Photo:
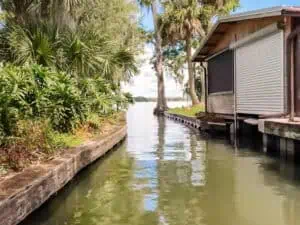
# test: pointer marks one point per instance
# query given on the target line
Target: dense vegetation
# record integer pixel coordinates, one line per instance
(62, 63)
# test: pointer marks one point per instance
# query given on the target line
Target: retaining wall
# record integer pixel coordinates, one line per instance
(193, 122)
(26, 191)
(189, 121)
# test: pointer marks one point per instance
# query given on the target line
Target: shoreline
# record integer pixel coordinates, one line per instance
(24, 192)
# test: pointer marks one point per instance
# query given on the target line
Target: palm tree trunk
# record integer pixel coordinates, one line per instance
(45, 9)
(161, 99)
(20, 9)
(193, 94)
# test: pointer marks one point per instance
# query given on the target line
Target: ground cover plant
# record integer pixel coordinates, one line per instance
(190, 111)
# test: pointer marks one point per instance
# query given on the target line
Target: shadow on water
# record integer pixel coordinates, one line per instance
(166, 173)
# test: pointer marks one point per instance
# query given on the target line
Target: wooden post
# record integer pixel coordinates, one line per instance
(234, 93)
(292, 85)
(291, 68)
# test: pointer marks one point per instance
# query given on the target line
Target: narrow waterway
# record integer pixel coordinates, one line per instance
(166, 173)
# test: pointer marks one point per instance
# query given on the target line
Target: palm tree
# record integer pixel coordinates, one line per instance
(81, 54)
(80, 50)
(161, 99)
(187, 19)
(54, 10)
(19, 8)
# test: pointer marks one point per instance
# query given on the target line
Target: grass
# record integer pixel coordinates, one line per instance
(187, 111)
(67, 140)
(94, 127)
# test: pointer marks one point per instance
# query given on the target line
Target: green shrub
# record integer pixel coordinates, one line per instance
(32, 140)
(37, 92)
(67, 108)
(34, 135)
(129, 98)
(93, 121)
(15, 87)
(99, 95)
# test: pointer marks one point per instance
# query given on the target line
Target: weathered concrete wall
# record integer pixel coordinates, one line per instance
(197, 124)
(23, 193)
(189, 121)
(283, 135)
(280, 127)
(222, 103)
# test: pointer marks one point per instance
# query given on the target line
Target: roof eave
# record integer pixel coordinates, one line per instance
(204, 41)
(276, 11)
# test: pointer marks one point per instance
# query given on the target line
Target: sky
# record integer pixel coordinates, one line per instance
(145, 84)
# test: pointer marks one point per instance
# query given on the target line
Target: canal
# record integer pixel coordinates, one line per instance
(166, 173)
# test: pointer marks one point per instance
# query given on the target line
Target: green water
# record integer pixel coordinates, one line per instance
(165, 173)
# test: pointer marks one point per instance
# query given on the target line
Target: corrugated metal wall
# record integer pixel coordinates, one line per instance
(260, 76)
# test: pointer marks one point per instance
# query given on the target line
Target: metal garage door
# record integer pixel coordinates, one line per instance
(259, 75)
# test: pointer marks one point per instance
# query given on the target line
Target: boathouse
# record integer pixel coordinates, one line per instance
(253, 61)
(253, 74)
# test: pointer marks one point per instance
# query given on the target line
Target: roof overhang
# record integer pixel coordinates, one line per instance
(221, 26)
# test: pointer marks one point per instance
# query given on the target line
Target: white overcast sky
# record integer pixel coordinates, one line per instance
(145, 84)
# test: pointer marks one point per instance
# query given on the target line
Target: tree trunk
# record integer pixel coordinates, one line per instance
(192, 90)
(20, 8)
(45, 4)
(161, 99)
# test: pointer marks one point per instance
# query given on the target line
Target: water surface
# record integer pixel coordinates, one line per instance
(166, 173)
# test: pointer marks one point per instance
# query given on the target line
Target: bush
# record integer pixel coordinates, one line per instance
(33, 139)
(37, 92)
(15, 88)
(67, 108)
(102, 97)
(98, 94)
(34, 135)
(40, 109)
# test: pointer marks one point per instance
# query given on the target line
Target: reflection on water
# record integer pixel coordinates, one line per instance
(165, 173)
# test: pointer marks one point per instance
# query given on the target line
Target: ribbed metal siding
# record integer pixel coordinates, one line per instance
(259, 76)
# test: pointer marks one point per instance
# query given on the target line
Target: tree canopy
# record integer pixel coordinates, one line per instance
(185, 23)
(62, 62)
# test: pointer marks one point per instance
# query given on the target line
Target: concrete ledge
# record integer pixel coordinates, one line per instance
(189, 121)
(198, 124)
(280, 127)
(26, 191)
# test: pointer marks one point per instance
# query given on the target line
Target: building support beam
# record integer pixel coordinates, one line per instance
(291, 69)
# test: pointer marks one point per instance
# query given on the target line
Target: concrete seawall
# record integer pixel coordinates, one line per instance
(189, 121)
(24, 192)
(198, 124)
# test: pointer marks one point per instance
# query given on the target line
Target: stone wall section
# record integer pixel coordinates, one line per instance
(24, 192)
